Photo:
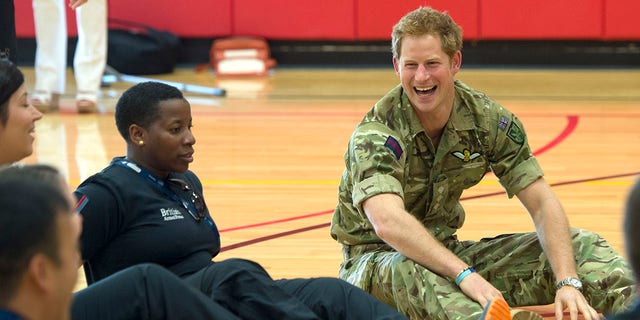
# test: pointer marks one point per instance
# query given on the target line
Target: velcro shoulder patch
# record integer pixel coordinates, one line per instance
(503, 123)
(394, 145)
(81, 203)
(515, 133)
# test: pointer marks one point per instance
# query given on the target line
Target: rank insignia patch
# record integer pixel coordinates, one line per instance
(394, 145)
(503, 123)
(515, 133)
(81, 203)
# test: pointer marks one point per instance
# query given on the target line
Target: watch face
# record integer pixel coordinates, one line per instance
(576, 283)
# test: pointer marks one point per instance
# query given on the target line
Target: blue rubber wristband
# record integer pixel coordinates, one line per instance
(463, 274)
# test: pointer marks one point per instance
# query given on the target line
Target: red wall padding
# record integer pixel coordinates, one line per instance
(535, 19)
(204, 18)
(24, 20)
(295, 19)
(375, 18)
(194, 18)
(369, 19)
(621, 20)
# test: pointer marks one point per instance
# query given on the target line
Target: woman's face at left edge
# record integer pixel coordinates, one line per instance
(16, 135)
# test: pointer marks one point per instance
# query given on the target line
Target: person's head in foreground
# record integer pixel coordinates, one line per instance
(39, 234)
(155, 121)
(631, 227)
(17, 115)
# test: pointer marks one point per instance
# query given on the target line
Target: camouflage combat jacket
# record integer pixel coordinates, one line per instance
(389, 152)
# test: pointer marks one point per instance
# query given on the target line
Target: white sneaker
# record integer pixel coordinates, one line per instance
(45, 102)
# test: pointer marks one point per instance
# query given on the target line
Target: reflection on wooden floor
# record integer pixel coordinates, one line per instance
(270, 153)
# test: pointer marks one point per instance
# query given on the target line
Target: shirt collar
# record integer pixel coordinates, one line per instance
(461, 117)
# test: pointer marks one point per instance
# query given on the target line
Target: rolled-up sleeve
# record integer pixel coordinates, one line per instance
(377, 158)
(375, 185)
(518, 178)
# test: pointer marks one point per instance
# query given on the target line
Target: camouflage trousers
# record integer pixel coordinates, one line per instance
(514, 263)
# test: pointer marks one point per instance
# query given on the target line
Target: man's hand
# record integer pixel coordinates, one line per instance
(479, 289)
(570, 298)
(74, 4)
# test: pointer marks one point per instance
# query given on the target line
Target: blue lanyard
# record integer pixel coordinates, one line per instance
(153, 180)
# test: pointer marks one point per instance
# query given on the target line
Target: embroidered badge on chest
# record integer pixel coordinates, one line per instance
(465, 155)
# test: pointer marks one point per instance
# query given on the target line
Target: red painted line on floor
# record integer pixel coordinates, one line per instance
(273, 236)
(572, 123)
(324, 225)
(558, 184)
(276, 221)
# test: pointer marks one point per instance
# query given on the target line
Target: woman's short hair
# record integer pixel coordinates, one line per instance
(140, 105)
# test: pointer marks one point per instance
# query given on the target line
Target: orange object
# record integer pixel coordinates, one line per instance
(496, 309)
(241, 56)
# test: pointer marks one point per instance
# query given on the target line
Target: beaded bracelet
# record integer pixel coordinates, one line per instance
(463, 274)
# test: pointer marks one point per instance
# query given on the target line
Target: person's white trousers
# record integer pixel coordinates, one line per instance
(51, 54)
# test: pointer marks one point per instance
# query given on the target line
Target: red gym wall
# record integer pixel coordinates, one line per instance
(352, 20)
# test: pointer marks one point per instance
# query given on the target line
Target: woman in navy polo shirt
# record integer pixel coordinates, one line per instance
(148, 207)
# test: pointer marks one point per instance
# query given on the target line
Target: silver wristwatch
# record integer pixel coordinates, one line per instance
(570, 281)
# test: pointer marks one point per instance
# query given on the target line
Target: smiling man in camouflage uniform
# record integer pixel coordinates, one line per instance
(407, 164)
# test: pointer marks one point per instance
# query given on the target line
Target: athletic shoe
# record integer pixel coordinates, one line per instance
(46, 102)
(86, 106)
(498, 309)
(521, 314)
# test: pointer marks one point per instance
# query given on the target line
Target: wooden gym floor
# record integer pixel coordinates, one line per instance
(270, 153)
